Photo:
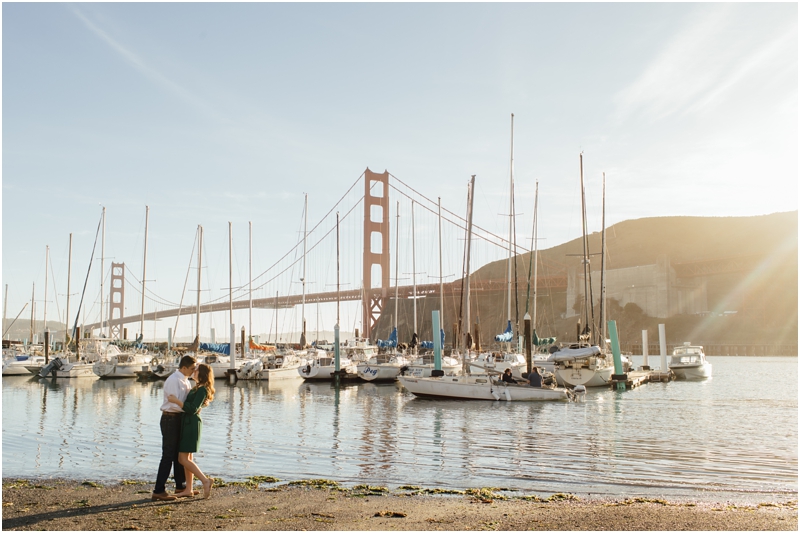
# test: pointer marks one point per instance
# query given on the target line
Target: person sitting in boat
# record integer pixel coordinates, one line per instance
(507, 377)
(535, 378)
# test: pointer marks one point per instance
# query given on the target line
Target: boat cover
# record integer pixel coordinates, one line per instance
(507, 335)
(262, 347)
(391, 343)
(428, 345)
(216, 347)
(573, 354)
(130, 344)
(544, 341)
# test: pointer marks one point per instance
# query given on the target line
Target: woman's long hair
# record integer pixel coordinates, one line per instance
(205, 378)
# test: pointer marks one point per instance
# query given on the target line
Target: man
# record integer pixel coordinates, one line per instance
(171, 419)
(535, 378)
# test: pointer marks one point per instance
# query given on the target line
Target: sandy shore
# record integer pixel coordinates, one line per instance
(323, 505)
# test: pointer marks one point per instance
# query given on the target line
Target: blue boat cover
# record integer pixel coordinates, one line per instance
(428, 345)
(506, 336)
(391, 343)
(216, 347)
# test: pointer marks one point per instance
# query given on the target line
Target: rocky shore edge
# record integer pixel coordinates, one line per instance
(263, 503)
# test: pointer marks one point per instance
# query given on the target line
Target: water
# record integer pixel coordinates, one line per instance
(732, 437)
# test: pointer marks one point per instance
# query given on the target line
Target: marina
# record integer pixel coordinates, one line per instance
(662, 440)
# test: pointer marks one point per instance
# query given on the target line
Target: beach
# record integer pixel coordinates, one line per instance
(324, 505)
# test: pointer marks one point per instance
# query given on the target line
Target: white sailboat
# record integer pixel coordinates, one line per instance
(387, 366)
(586, 362)
(482, 386)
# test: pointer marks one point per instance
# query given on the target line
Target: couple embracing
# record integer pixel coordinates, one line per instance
(181, 427)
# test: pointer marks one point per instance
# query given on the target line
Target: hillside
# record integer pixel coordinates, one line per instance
(763, 296)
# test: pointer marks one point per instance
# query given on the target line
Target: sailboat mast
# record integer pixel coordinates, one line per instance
(144, 264)
(535, 251)
(46, 262)
(414, 264)
(337, 270)
(603, 269)
(33, 312)
(470, 198)
(586, 280)
(510, 216)
(396, 262)
(102, 274)
(441, 277)
(5, 309)
(230, 276)
(69, 277)
(199, 270)
(250, 283)
(303, 280)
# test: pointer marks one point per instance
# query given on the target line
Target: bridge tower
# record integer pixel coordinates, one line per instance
(376, 247)
(116, 305)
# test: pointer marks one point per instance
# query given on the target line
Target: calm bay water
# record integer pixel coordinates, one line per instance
(731, 437)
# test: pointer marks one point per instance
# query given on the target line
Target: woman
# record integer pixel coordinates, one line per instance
(200, 396)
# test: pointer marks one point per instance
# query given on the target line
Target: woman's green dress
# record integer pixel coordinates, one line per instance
(192, 423)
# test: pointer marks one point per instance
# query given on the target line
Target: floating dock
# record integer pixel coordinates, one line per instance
(638, 377)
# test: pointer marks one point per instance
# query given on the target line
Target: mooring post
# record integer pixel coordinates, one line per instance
(244, 351)
(645, 349)
(528, 343)
(662, 341)
(437, 346)
(46, 346)
(619, 376)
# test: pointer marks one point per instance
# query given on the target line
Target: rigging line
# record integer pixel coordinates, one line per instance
(297, 260)
(474, 226)
(186, 281)
(450, 212)
(312, 229)
(86, 281)
(156, 298)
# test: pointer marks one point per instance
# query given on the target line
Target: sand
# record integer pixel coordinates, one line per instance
(321, 505)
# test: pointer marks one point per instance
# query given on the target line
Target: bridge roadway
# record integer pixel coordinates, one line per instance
(284, 302)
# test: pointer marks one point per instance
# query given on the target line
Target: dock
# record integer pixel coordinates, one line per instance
(638, 377)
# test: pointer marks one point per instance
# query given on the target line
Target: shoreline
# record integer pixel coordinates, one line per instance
(261, 503)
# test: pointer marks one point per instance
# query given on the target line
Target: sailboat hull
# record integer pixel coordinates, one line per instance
(478, 388)
(584, 376)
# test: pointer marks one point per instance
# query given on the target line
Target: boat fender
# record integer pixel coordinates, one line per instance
(579, 389)
(508, 394)
(496, 396)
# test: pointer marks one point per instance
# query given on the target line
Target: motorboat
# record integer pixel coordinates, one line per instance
(320, 365)
(689, 362)
(423, 365)
(63, 367)
(481, 387)
(18, 364)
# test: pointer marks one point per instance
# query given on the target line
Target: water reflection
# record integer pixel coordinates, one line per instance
(661, 438)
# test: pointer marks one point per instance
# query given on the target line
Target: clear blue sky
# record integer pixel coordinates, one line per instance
(210, 113)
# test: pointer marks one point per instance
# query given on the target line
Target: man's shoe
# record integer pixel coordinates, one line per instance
(162, 497)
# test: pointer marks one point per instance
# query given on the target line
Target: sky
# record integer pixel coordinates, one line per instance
(217, 113)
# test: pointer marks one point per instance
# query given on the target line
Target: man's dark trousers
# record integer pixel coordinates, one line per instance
(170, 438)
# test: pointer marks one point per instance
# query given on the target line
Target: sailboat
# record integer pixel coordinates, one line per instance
(506, 358)
(585, 362)
(481, 386)
(387, 366)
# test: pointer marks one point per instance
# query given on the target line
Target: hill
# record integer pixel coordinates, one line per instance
(752, 265)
